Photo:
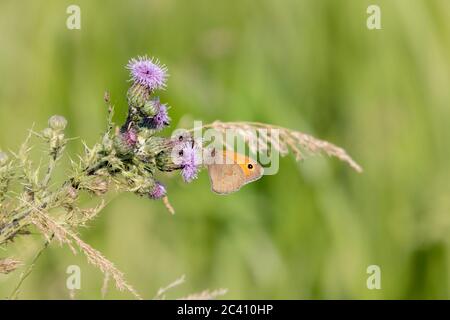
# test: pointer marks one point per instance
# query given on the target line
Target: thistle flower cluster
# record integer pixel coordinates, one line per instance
(128, 157)
(138, 143)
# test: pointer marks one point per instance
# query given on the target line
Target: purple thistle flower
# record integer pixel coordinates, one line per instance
(160, 119)
(130, 137)
(158, 192)
(189, 172)
(190, 161)
(148, 72)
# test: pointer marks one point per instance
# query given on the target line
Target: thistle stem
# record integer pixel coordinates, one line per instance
(30, 268)
(51, 167)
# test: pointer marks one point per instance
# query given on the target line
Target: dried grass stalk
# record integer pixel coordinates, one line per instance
(50, 228)
(162, 291)
(206, 295)
(300, 144)
(104, 290)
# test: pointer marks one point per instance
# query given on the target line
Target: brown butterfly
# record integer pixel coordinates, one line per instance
(235, 171)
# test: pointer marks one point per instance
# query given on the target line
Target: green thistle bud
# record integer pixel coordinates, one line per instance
(3, 158)
(47, 133)
(165, 159)
(143, 185)
(146, 133)
(150, 108)
(164, 162)
(121, 146)
(138, 95)
(156, 145)
(57, 123)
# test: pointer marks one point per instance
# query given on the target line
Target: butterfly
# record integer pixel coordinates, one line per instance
(232, 172)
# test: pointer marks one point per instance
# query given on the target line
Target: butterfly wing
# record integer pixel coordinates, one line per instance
(226, 178)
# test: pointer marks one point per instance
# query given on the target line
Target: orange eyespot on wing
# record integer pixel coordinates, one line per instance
(248, 168)
(252, 169)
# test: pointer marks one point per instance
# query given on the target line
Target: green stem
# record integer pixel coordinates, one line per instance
(51, 167)
(30, 268)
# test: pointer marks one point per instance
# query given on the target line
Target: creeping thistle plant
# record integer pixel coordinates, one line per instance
(126, 158)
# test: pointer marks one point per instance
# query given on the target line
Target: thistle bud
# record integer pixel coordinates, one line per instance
(165, 161)
(150, 108)
(130, 137)
(57, 123)
(107, 97)
(3, 158)
(138, 95)
(158, 191)
(47, 133)
(146, 133)
(121, 145)
(160, 119)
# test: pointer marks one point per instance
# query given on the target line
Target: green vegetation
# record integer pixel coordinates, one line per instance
(311, 230)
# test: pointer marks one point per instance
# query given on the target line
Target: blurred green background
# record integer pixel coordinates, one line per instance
(308, 232)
